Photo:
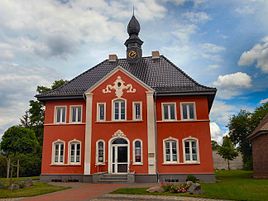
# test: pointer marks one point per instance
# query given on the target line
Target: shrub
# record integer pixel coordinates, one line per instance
(176, 188)
(191, 178)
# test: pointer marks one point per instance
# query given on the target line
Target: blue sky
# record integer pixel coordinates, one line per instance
(223, 44)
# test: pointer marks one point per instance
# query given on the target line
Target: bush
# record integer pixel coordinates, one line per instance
(3, 166)
(191, 178)
(176, 188)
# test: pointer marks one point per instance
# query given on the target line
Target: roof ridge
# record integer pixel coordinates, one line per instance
(185, 74)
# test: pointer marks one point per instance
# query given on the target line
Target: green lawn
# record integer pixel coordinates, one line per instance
(38, 188)
(232, 185)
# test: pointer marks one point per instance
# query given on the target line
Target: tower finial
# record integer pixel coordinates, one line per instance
(133, 10)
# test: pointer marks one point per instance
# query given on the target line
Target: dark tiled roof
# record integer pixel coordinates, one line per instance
(160, 74)
(262, 128)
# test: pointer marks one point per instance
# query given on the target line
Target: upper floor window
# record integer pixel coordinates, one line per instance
(100, 150)
(101, 111)
(137, 157)
(58, 152)
(76, 114)
(188, 111)
(137, 111)
(169, 111)
(75, 152)
(191, 151)
(119, 110)
(171, 150)
(60, 114)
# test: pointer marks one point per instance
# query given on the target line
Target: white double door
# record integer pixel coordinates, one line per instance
(119, 156)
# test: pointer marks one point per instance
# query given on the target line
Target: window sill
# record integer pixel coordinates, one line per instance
(137, 163)
(61, 164)
(99, 164)
(171, 163)
(119, 121)
(64, 124)
(186, 163)
(192, 163)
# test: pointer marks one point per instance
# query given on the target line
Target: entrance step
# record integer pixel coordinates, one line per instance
(113, 178)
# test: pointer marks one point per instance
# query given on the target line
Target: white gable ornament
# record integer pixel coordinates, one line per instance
(119, 86)
(119, 134)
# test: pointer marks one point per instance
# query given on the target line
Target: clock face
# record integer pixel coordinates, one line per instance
(132, 54)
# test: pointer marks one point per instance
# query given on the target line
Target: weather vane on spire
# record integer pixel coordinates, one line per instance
(133, 10)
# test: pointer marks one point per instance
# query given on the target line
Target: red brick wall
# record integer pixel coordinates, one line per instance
(260, 156)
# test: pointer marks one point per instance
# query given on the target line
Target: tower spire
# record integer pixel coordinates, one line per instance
(133, 43)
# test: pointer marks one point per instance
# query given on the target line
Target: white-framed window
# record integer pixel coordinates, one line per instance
(74, 152)
(170, 146)
(58, 152)
(137, 111)
(188, 111)
(168, 111)
(190, 150)
(119, 110)
(101, 111)
(100, 152)
(76, 113)
(60, 114)
(137, 152)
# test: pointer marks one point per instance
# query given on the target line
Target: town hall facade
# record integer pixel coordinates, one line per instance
(135, 119)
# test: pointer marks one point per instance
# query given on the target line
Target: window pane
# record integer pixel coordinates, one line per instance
(165, 111)
(61, 152)
(116, 110)
(137, 151)
(123, 112)
(63, 114)
(194, 156)
(100, 152)
(73, 114)
(137, 144)
(172, 111)
(58, 115)
(191, 111)
(137, 111)
(56, 153)
(101, 111)
(77, 153)
(79, 111)
(184, 111)
(187, 157)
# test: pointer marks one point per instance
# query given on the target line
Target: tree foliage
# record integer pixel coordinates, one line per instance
(214, 145)
(17, 139)
(242, 125)
(227, 150)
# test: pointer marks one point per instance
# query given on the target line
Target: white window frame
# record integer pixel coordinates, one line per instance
(113, 110)
(134, 162)
(134, 110)
(197, 150)
(188, 111)
(53, 152)
(169, 113)
(97, 152)
(74, 141)
(171, 156)
(98, 111)
(71, 114)
(55, 114)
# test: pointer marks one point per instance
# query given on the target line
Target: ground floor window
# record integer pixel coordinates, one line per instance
(170, 150)
(75, 152)
(100, 150)
(58, 152)
(137, 157)
(191, 151)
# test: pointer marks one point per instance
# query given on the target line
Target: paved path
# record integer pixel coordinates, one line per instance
(79, 192)
(119, 197)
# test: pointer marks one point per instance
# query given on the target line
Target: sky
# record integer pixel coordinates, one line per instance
(222, 44)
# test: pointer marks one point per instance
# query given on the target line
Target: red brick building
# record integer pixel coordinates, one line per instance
(136, 119)
(259, 141)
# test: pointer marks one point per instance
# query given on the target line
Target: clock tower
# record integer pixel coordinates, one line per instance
(133, 43)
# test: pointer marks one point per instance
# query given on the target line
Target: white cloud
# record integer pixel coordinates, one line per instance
(18, 86)
(258, 54)
(196, 17)
(216, 133)
(264, 101)
(245, 10)
(231, 85)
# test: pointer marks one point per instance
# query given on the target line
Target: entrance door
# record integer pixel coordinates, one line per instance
(119, 156)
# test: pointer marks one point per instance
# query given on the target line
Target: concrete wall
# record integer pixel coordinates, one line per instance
(220, 163)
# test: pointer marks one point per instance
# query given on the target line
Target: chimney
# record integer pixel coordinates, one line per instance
(112, 58)
(155, 55)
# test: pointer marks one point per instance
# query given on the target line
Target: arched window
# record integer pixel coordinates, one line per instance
(137, 152)
(170, 150)
(58, 152)
(100, 152)
(74, 152)
(119, 110)
(190, 150)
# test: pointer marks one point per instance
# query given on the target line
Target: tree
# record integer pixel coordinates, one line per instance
(214, 145)
(227, 150)
(17, 139)
(242, 125)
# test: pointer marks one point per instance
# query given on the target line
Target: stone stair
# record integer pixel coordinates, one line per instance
(114, 178)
